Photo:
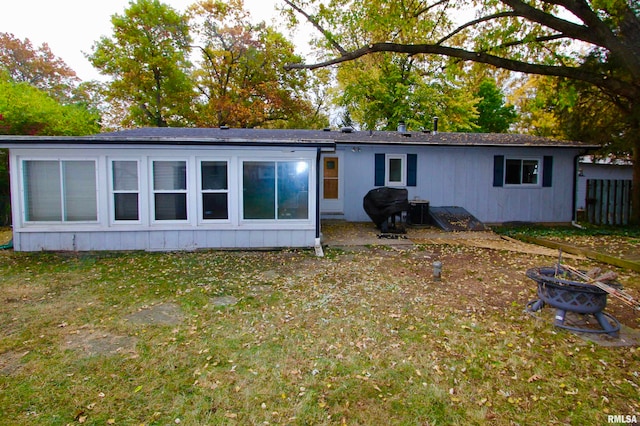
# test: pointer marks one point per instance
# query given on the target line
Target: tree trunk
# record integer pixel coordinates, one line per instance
(635, 184)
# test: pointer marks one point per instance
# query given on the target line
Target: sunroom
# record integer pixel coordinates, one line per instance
(178, 193)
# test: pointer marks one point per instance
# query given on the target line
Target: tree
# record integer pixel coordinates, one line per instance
(493, 115)
(27, 110)
(38, 67)
(527, 37)
(541, 102)
(147, 60)
(240, 78)
(381, 91)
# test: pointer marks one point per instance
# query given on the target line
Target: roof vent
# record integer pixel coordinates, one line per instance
(435, 125)
(347, 129)
(402, 127)
(223, 127)
(326, 129)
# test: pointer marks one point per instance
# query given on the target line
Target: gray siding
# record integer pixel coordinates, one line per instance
(463, 176)
(162, 240)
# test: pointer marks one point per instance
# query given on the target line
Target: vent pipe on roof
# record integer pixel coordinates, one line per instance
(435, 125)
(402, 127)
(347, 129)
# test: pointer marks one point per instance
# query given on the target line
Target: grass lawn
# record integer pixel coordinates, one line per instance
(360, 337)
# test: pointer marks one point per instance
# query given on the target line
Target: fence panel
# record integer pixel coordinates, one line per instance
(608, 201)
(5, 210)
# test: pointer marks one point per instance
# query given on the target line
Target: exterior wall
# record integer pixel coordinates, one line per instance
(463, 176)
(147, 234)
(599, 171)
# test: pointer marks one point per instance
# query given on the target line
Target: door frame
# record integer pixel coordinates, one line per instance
(332, 206)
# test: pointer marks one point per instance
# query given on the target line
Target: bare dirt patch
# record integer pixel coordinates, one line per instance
(162, 314)
(11, 362)
(224, 301)
(92, 342)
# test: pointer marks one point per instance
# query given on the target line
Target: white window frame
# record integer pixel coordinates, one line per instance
(153, 191)
(403, 170)
(276, 161)
(113, 192)
(538, 183)
(60, 161)
(202, 191)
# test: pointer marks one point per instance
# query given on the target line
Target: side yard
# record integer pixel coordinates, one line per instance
(364, 335)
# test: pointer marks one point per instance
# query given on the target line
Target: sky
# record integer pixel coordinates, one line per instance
(71, 27)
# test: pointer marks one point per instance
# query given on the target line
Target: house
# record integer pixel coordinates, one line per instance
(188, 188)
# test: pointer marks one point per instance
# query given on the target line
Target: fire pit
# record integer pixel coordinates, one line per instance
(558, 288)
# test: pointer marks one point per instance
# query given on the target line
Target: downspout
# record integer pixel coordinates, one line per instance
(576, 167)
(318, 243)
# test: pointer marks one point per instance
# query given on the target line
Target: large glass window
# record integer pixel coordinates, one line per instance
(170, 190)
(125, 190)
(215, 189)
(293, 190)
(60, 191)
(276, 190)
(521, 172)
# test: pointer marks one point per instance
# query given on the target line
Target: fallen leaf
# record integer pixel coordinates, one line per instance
(534, 378)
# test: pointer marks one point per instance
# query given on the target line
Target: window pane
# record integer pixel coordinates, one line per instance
(258, 193)
(169, 175)
(214, 206)
(395, 170)
(43, 198)
(293, 190)
(214, 175)
(171, 206)
(513, 172)
(80, 196)
(125, 176)
(530, 171)
(126, 206)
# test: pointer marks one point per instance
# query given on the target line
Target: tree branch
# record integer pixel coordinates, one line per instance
(594, 31)
(617, 86)
(535, 40)
(428, 8)
(475, 22)
(319, 27)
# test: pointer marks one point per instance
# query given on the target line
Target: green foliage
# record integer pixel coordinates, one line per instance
(26, 110)
(566, 232)
(147, 60)
(381, 91)
(38, 67)
(537, 99)
(493, 115)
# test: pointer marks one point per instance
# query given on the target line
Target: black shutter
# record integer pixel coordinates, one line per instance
(412, 169)
(547, 171)
(379, 170)
(498, 170)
